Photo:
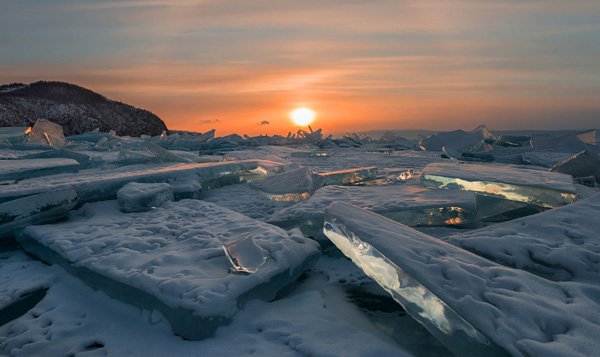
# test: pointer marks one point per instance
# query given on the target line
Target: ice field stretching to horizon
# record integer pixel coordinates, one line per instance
(465, 243)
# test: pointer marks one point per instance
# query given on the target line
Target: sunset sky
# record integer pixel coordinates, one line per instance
(360, 65)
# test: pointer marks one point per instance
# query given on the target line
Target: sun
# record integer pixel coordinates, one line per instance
(302, 116)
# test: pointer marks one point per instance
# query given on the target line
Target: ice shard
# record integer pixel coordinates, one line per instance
(46, 207)
(408, 204)
(45, 132)
(472, 305)
(244, 254)
(349, 176)
(171, 259)
(141, 197)
(97, 184)
(540, 188)
(27, 168)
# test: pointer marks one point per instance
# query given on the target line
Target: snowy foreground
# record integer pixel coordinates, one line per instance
(463, 243)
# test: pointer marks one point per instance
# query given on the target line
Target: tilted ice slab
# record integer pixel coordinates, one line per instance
(474, 306)
(409, 204)
(22, 169)
(95, 185)
(541, 188)
(349, 176)
(171, 259)
(46, 207)
(561, 244)
(245, 200)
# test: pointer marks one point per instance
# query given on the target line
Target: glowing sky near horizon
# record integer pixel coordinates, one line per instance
(361, 65)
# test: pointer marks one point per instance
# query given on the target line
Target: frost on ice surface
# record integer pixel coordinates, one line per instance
(244, 254)
(540, 188)
(171, 259)
(45, 132)
(28, 168)
(141, 197)
(409, 204)
(474, 306)
(41, 208)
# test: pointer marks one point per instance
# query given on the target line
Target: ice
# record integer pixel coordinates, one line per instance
(290, 186)
(409, 204)
(244, 254)
(164, 155)
(562, 244)
(544, 159)
(142, 197)
(27, 168)
(83, 159)
(349, 176)
(472, 305)
(540, 188)
(582, 165)
(245, 200)
(98, 184)
(45, 132)
(171, 259)
(458, 140)
(41, 208)
(591, 137)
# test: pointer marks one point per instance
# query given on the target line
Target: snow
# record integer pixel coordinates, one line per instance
(542, 188)
(465, 299)
(171, 258)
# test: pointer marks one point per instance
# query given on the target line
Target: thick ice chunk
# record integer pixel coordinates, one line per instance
(27, 168)
(409, 204)
(42, 208)
(543, 158)
(142, 197)
(45, 132)
(171, 259)
(559, 244)
(294, 185)
(97, 184)
(472, 305)
(582, 165)
(245, 200)
(541, 188)
(349, 176)
(83, 159)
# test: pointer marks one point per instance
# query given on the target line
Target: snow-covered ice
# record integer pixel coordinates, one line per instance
(541, 188)
(171, 259)
(28, 168)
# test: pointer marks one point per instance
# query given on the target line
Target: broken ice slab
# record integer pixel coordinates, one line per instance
(83, 159)
(291, 186)
(28, 168)
(561, 244)
(472, 305)
(581, 165)
(244, 254)
(540, 188)
(171, 259)
(543, 158)
(349, 176)
(142, 197)
(41, 208)
(96, 185)
(45, 132)
(243, 199)
(495, 209)
(163, 154)
(408, 204)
